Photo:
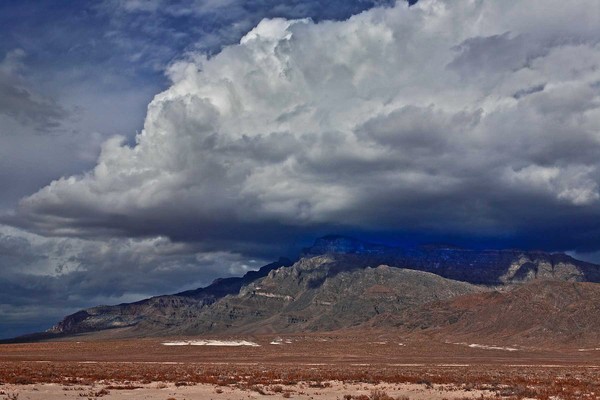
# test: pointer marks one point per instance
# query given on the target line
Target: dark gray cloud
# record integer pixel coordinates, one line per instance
(21, 103)
(44, 279)
(524, 92)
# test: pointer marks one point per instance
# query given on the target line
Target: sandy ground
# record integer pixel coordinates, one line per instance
(308, 366)
(163, 391)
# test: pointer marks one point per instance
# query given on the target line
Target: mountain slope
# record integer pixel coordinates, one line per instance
(160, 311)
(537, 312)
(305, 298)
(338, 283)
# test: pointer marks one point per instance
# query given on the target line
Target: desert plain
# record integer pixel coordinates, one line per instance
(337, 365)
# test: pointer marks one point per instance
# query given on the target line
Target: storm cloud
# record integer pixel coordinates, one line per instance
(398, 119)
(44, 279)
(74, 74)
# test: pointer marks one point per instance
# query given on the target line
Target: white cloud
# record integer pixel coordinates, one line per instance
(377, 121)
(572, 185)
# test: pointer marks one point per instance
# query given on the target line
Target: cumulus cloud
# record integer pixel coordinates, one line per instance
(459, 117)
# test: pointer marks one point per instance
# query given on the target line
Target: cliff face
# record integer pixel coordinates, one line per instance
(341, 283)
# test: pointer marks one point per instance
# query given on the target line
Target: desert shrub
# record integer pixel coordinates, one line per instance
(123, 387)
(319, 384)
(380, 395)
(258, 389)
(425, 382)
(23, 380)
(375, 395)
(92, 394)
(277, 388)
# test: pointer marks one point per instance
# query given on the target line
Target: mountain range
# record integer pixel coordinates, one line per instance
(504, 296)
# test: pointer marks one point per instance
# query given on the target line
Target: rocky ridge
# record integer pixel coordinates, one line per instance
(344, 283)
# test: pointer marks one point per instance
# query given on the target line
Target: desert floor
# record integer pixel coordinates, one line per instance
(333, 390)
(379, 366)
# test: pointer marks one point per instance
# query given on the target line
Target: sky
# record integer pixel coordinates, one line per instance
(149, 147)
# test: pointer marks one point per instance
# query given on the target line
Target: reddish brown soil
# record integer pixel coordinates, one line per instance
(348, 357)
